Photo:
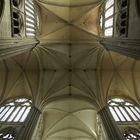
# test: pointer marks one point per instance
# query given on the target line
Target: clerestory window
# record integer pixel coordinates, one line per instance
(15, 111)
(124, 111)
(107, 18)
(31, 19)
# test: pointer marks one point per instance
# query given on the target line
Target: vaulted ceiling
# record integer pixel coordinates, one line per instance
(69, 75)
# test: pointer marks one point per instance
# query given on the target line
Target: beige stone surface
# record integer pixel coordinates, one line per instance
(69, 75)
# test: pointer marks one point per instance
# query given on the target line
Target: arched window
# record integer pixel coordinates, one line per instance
(7, 134)
(132, 134)
(108, 18)
(15, 111)
(31, 19)
(124, 111)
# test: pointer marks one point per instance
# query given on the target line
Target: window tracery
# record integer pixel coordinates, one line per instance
(124, 111)
(16, 19)
(15, 111)
(7, 134)
(122, 22)
(132, 134)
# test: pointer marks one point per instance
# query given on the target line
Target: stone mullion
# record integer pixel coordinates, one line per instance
(109, 124)
(30, 123)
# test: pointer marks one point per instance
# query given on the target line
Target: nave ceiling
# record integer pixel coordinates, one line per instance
(69, 74)
(47, 73)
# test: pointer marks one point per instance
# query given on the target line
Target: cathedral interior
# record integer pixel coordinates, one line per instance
(69, 70)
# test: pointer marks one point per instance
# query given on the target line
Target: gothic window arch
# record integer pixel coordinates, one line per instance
(132, 134)
(8, 134)
(15, 111)
(124, 110)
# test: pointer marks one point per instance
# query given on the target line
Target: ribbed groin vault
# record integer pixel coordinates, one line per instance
(69, 75)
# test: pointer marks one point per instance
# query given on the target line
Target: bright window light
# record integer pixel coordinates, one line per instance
(109, 12)
(109, 23)
(14, 114)
(137, 109)
(25, 114)
(8, 113)
(31, 25)
(30, 15)
(30, 29)
(28, 9)
(114, 114)
(101, 22)
(15, 111)
(109, 3)
(132, 115)
(19, 114)
(125, 114)
(119, 114)
(109, 32)
(29, 4)
(4, 112)
(108, 18)
(124, 111)
(30, 18)
(1, 109)
(30, 34)
(135, 112)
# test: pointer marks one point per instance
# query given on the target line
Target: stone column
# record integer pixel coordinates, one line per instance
(125, 46)
(13, 47)
(30, 124)
(109, 124)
